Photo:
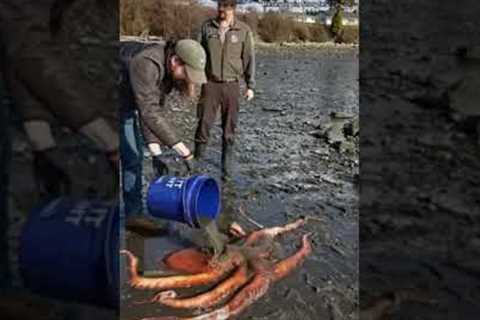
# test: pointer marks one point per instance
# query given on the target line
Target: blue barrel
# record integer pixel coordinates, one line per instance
(185, 200)
(69, 250)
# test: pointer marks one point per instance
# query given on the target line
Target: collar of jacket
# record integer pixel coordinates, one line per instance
(167, 77)
(233, 26)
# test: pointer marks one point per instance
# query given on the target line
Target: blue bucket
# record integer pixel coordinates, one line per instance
(184, 200)
(69, 250)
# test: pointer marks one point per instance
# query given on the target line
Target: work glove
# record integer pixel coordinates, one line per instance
(160, 167)
(51, 173)
(189, 164)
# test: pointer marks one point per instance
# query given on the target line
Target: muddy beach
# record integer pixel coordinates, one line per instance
(419, 157)
(294, 158)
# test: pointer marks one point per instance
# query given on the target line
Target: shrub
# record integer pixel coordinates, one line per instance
(250, 18)
(301, 32)
(349, 34)
(182, 19)
(162, 18)
(274, 27)
(171, 19)
(133, 17)
(319, 33)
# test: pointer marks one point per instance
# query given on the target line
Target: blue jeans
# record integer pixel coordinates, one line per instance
(131, 157)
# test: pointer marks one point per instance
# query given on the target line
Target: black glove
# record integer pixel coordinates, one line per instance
(51, 172)
(160, 167)
(189, 164)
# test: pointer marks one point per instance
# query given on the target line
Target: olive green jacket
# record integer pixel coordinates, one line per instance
(232, 60)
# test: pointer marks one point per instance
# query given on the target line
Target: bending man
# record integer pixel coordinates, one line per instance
(150, 72)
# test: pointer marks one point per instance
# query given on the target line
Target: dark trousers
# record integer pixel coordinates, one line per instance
(218, 96)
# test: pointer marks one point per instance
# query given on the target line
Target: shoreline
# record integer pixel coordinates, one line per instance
(261, 45)
(308, 44)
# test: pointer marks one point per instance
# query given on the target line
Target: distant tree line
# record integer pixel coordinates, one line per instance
(183, 20)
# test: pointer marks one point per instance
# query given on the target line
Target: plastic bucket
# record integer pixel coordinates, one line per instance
(185, 200)
(69, 250)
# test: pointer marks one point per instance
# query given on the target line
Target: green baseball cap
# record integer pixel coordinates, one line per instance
(193, 55)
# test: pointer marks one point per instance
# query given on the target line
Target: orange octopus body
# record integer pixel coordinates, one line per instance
(189, 261)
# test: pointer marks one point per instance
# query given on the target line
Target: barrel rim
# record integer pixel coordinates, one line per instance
(219, 197)
(149, 191)
(200, 181)
(188, 215)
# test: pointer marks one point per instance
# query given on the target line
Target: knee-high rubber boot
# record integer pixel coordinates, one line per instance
(199, 150)
(227, 160)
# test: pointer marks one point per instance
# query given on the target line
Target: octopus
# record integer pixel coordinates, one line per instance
(242, 275)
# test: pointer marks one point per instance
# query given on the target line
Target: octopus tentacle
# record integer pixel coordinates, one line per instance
(273, 232)
(284, 267)
(207, 299)
(182, 281)
(255, 289)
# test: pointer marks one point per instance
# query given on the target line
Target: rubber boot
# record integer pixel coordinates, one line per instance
(227, 159)
(199, 150)
(145, 226)
(478, 132)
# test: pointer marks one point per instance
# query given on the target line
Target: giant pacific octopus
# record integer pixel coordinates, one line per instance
(242, 275)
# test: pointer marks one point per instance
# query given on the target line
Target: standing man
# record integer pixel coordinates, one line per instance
(150, 72)
(230, 58)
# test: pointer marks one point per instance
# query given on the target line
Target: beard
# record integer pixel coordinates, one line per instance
(222, 15)
(185, 87)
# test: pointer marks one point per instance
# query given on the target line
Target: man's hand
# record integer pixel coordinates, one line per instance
(236, 230)
(189, 164)
(249, 94)
(160, 167)
(186, 154)
(51, 172)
